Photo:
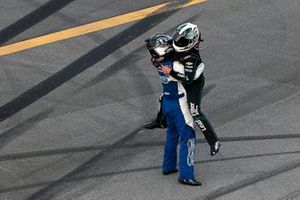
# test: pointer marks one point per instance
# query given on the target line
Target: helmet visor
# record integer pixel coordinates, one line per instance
(153, 53)
(180, 41)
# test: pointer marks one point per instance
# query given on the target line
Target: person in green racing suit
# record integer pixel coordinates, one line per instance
(184, 47)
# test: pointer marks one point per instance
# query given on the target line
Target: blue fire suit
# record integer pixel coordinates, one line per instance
(179, 125)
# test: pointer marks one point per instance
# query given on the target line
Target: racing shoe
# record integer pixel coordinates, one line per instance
(170, 172)
(152, 125)
(190, 182)
(155, 124)
(214, 148)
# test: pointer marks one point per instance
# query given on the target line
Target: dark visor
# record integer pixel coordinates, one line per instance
(153, 53)
(179, 40)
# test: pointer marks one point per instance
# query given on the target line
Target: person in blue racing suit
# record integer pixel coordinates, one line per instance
(184, 47)
(180, 124)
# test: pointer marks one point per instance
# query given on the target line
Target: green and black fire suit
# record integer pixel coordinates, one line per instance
(193, 81)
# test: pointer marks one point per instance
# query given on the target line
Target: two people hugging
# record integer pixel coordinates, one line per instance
(180, 68)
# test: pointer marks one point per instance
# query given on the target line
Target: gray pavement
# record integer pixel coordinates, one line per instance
(74, 109)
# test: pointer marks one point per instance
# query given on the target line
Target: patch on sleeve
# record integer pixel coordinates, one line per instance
(188, 70)
(189, 63)
(186, 57)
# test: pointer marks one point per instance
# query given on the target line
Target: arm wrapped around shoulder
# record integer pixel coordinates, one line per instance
(182, 73)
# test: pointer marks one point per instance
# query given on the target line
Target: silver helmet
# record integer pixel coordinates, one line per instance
(158, 44)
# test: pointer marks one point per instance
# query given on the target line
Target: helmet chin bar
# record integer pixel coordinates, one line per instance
(161, 51)
(182, 49)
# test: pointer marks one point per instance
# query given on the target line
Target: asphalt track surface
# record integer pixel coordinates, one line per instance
(71, 112)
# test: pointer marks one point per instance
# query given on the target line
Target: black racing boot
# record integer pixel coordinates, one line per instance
(214, 148)
(152, 125)
(170, 172)
(190, 182)
(159, 122)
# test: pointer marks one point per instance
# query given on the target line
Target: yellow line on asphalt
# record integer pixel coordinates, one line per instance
(93, 27)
